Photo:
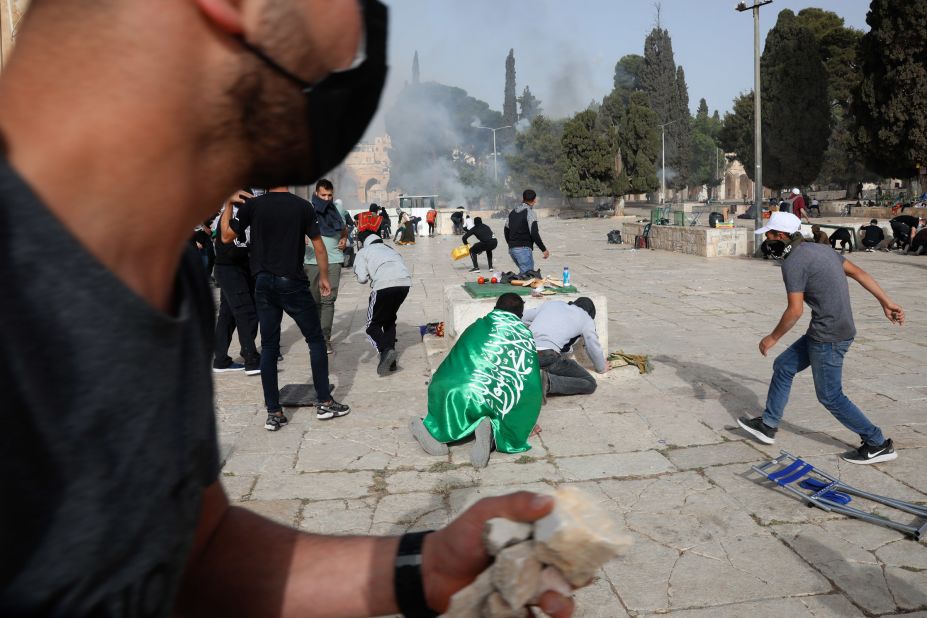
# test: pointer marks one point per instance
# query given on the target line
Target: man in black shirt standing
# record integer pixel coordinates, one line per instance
(279, 222)
(486, 242)
(236, 304)
(521, 233)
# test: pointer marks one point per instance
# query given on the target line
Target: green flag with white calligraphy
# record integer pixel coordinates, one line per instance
(491, 372)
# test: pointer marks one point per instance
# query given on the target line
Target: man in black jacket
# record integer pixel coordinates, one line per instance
(872, 235)
(521, 233)
(486, 242)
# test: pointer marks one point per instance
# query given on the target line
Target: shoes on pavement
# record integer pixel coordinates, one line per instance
(869, 454)
(425, 439)
(758, 429)
(387, 359)
(253, 370)
(328, 346)
(228, 368)
(331, 409)
(275, 422)
(479, 454)
(474, 270)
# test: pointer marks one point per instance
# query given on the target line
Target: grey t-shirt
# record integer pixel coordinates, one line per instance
(108, 436)
(817, 271)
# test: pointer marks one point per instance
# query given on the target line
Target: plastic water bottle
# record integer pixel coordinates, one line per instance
(566, 275)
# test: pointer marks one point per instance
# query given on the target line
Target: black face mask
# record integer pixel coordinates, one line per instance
(341, 105)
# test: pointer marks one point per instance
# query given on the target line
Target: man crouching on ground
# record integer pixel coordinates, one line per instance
(489, 385)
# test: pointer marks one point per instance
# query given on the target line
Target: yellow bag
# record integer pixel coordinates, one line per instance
(460, 252)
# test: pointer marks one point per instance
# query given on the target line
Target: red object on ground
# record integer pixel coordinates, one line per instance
(481, 280)
(494, 280)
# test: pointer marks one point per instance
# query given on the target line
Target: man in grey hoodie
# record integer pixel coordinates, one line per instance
(556, 326)
(383, 267)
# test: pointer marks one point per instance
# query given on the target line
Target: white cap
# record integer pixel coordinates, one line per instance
(795, 191)
(781, 222)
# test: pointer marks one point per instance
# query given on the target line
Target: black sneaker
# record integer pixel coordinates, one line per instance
(331, 409)
(387, 359)
(228, 368)
(275, 422)
(474, 270)
(868, 454)
(328, 346)
(758, 429)
(253, 370)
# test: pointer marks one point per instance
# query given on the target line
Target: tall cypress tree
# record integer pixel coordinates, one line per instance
(796, 110)
(890, 104)
(668, 96)
(509, 105)
(416, 76)
(529, 105)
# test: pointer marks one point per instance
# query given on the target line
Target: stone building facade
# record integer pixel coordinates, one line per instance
(363, 178)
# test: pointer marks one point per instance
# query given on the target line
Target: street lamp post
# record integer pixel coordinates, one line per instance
(757, 114)
(495, 154)
(663, 155)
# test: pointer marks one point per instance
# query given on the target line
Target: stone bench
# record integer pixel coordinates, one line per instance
(461, 310)
(703, 241)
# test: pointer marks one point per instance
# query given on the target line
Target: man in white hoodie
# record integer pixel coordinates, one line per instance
(383, 267)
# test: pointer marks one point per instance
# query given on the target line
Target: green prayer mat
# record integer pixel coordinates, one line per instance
(491, 372)
(494, 290)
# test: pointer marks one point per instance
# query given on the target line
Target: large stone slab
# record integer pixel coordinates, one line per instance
(313, 486)
(712, 455)
(644, 463)
(460, 310)
(824, 606)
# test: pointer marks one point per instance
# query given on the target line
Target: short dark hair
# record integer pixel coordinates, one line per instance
(528, 196)
(873, 221)
(477, 220)
(585, 303)
(512, 303)
(324, 183)
(374, 207)
(365, 235)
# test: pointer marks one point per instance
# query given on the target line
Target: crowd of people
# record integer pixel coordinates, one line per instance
(111, 153)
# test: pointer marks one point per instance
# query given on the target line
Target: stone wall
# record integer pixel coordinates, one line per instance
(703, 241)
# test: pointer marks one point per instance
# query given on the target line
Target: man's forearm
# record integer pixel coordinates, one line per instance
(786, 322)
(254, 567)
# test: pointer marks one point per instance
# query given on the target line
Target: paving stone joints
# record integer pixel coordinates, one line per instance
(661, 451)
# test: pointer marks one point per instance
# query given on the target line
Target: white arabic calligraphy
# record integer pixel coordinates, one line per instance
(509, 355)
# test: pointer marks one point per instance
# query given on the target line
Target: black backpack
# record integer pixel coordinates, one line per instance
(614, 237)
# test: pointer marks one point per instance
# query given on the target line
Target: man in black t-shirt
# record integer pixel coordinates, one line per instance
(872, 235)
(903, 227)
(279, 222)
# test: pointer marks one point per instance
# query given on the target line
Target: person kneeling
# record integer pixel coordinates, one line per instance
(488, 385)
(383, 267)
(556, 326)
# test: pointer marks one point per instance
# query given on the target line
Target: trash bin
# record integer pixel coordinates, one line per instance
(714, 219)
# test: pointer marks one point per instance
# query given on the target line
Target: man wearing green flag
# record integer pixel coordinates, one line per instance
(489, 384)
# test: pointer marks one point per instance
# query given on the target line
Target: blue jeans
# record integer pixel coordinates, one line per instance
(523, 257)
(826, 362)
(272, 296)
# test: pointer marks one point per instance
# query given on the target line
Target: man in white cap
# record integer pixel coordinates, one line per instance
(798, 205)
(815, 274)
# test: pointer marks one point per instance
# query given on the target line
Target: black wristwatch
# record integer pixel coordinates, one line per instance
(407, 579)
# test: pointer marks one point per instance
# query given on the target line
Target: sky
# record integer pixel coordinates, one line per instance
(566, 50)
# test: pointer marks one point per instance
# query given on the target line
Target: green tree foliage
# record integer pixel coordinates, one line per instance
(640, 146)
(668, 96)
(628, 76)
(796, 113)
(843, 164)
(529, 105)
(536, 157)
(586, 158)
(509, 104)
(890, 104)
(736, 133)
(427, 123)
(705, 162)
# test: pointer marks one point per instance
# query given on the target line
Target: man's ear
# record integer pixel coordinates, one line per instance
(224, 14)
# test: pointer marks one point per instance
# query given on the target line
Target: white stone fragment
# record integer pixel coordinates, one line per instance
(468, 602)
(496, 607)
(578, 536)
(551, 580)
(516, 573)
(501, 533)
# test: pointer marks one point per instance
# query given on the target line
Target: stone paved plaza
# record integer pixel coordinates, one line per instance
(660, 451)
